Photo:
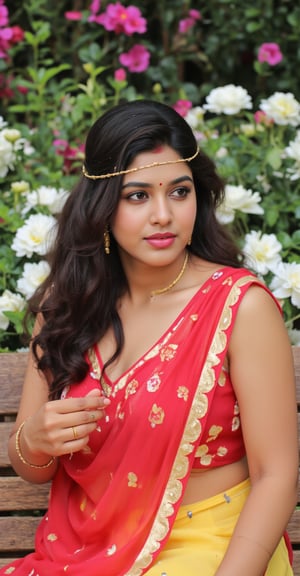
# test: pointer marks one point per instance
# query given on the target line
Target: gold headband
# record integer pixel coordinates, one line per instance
(129, 170)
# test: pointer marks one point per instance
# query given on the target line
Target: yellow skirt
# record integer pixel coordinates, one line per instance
(201, 534)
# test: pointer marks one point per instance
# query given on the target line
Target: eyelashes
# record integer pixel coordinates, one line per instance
(179, 193)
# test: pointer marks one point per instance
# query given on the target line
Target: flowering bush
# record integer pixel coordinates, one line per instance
(258, 154)
(56, 78)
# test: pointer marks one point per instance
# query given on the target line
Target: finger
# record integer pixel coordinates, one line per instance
(91, 402)
(94, 392)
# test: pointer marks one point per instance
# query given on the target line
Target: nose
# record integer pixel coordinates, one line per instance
(161, 211)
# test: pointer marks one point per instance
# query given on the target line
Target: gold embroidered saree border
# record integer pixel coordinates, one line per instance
(191, 433)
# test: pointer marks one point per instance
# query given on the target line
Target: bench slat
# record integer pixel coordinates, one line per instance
(12, 372)
(17, 494)
(17, 532)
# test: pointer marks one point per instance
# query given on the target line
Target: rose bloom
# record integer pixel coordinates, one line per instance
(286, 282)
(35, 236)
(238, 198)
(229, 99)
(120, 75)
(182, 107)
(53, 198)
(33, 275)
(9, 302)
(136, 59)
(262, 251)
(194, 117)
(269, 52)
(283, 108)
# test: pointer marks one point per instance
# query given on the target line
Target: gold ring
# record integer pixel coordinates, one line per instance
(74, 432)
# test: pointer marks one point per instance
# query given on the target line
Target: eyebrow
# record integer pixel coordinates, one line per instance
(147, 185)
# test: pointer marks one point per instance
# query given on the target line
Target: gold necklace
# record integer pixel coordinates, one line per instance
(167, 288)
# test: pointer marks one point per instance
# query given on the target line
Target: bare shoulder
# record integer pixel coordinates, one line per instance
(259, 329)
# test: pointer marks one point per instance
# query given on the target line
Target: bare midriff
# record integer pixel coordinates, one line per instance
(203, 484)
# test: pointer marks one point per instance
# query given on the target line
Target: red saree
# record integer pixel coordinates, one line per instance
(112, 506)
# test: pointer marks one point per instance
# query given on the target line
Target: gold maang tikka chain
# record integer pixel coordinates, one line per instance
(160, 291)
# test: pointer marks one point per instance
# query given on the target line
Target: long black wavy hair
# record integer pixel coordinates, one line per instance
(78, 300)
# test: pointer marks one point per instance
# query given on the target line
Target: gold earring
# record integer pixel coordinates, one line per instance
(190, 241)
(106, 241)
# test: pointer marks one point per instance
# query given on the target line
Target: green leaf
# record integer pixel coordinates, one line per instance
(272, 215)
(273, 157)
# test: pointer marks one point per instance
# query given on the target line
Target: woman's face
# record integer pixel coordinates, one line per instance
(155, 216)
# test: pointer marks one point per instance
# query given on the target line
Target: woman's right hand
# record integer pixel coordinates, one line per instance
(62, 426)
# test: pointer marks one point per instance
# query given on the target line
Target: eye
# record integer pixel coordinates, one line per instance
(180, 192)
(136, 196)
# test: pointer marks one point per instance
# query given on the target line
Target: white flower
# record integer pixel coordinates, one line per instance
(7, 156)
(194, 117)
(238, 198)
(283, 108)
(293, 151)
(46, 196)
(9, 302)
(286, 282)
(11, 134)
(229, 99)
(33, 275)
(262, 252)
(3, 124)
(222, 152)
(35, 236)
(294, 337)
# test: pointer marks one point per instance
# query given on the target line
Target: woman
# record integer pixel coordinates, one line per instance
(159, 395)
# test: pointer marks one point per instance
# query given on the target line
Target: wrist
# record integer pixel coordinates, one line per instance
(20, 445)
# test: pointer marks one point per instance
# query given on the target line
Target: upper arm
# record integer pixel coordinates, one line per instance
(35, 389)
(262, 373)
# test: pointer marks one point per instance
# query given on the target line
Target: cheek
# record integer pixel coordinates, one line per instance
(125, 224)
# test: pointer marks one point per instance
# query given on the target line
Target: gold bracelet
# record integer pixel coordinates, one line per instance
(18, 450)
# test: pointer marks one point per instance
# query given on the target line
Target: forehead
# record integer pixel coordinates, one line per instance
(162, 161)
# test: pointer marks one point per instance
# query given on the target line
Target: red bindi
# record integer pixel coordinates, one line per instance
(158, 149)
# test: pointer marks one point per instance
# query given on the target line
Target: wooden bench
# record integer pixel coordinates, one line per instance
(21, 504)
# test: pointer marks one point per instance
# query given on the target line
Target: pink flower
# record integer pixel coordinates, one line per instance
(136, 59)
(5, 41)
(120, 75)
(70, 154)
(195, 14)
(17, 34)
(73, 15)
(5, 89)
(185, 24)
(95, 6)
(134, 21)
(182, 107)
(119, 19)
(261, 117)
(270, 52)
(3, 16)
